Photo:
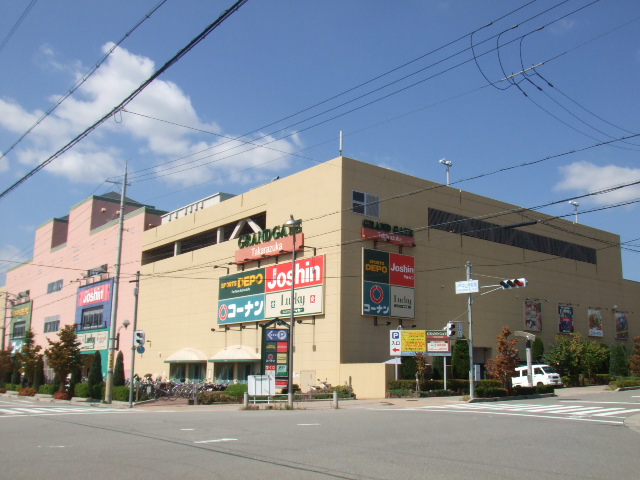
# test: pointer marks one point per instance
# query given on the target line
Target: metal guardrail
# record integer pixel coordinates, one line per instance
(282, 399)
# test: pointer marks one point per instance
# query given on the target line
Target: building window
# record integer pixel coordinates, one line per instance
(54, 286)
(19, 329)
(92, 318)
(52, 324)
(366, 204)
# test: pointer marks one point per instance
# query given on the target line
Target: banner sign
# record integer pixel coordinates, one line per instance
(533, 315)
(595, 322)
(265, 293)
(565, 319)
(622, 326)
(388, 281)
(438, 343)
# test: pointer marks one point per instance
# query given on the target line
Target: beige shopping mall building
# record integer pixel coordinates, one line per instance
(375, 250)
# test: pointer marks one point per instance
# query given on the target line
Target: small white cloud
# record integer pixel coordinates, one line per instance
(583, 177)
(95, 157)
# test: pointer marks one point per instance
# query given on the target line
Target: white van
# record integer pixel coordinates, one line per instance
(542, 375)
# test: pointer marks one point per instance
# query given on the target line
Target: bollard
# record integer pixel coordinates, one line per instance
(334, 402)
(245, 400)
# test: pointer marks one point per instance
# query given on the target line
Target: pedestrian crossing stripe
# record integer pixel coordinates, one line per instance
(573, 410)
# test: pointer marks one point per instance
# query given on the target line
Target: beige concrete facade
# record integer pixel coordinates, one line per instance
(179, 287)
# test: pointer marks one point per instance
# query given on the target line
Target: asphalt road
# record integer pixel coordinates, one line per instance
(583, 433)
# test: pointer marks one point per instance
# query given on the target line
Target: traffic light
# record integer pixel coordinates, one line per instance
(451, 329)
(513, 283)
(138, 338)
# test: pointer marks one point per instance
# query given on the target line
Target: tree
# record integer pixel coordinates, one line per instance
(64, 355)
(537, 350)
(503, 366)
(618, 363)
(460, 359)
(95, 376)
(567, 355)
(409, 368)
(437, 368)
(634, 359)
(29, 356)
(422, 365)
(6, 366)
(594, 358)
(38, 378)
(118, 372)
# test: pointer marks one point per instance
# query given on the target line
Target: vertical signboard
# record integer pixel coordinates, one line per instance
(388, 281)
(275, 352)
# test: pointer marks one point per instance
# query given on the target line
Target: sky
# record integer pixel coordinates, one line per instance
(527, 115)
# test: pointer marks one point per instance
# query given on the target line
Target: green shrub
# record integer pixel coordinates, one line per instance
(489, 383)
(540, 389)
(120, 393)
(522, 390)
(207, 398)
(490, 392)
(47, 389)
(400, 392)
(81, 390)
(344, 391)
(237, 390)
(625, 382)
(12, 387)
(402, 384)
(602, 379)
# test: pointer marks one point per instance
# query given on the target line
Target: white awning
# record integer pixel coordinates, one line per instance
(236, 353)
(187, 355)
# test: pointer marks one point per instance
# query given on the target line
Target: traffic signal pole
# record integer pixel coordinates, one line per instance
(470, 315)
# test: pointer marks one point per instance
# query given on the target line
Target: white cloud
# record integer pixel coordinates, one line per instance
(95, 157)
(583, 177)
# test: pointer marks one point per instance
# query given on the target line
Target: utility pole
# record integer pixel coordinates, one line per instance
(108, 393)
(470, 315)
(136, 291)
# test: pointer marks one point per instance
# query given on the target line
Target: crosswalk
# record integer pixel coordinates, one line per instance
(583, 412)
(12, 410)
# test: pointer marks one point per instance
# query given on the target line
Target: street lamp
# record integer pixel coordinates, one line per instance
(575, 208)
(448, 164)
(293, 226)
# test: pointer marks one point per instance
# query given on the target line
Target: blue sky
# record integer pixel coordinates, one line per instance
(269, 90)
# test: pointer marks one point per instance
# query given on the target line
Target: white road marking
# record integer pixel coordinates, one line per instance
(218, 440)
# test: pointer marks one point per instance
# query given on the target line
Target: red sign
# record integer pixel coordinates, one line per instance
(97, 294)
(309, 273)
(283, 347)
(402, 270)
(394, 238)
(268, 249)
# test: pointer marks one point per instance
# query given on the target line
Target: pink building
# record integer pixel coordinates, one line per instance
(70, 278)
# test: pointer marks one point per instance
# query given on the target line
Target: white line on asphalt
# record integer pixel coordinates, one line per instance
(187, 429)
(218, 440)
(307, 424)
(604, 403)
(508, 414)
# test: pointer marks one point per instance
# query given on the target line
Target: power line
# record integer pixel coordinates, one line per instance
(226, 14)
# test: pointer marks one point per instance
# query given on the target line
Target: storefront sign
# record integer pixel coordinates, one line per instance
(383, 236)
(94, 294)
(265, 293)
(388, 284)
(93, 340)
(270, 249)
(275, 233)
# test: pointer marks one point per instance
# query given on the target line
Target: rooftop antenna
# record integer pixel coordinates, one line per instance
(447, 164)
(340, 142)
(575, 206)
